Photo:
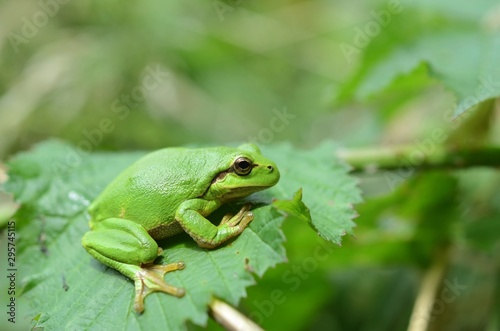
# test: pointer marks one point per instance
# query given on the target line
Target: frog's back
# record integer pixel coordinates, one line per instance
(150, 191)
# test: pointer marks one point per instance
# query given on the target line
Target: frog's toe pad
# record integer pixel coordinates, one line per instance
(149, 279)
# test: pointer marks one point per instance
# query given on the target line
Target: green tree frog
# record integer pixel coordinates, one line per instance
(167, 192)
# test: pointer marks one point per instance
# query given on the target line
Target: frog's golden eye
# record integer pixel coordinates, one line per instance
(242, 166)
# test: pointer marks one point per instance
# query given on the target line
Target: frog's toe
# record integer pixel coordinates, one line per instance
(226, 219)
(149, 279)
(162, 269)
(245, 220)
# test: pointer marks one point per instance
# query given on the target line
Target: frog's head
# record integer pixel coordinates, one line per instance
(246, 171)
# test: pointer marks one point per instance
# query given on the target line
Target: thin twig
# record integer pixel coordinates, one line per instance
(421, 314)
(230, 318)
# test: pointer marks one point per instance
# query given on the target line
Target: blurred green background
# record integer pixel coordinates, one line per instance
(134, 75)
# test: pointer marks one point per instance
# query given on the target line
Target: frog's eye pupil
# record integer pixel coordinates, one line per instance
(242, 166)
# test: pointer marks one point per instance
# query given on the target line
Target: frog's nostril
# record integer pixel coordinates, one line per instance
(270, 167)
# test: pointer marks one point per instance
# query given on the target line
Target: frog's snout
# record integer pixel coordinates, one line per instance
(272, 169)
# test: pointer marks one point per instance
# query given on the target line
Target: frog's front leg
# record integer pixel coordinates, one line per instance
(127, 247)
(191, 216)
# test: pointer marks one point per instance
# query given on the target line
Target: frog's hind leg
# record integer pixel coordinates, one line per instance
(127, 247)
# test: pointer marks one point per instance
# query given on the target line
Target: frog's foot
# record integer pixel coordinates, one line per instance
(149, 279)
(242, 218)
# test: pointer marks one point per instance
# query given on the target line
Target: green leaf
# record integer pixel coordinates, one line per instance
(450, 48)
(295, 207)
(63, 287)
(327, 189)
